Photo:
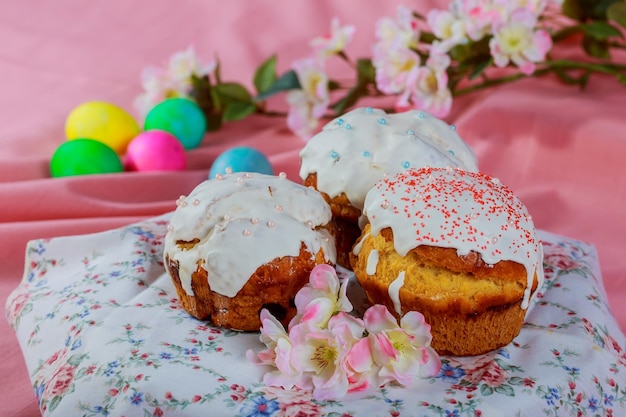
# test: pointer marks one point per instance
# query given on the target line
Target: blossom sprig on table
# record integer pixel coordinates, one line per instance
(332, 353)
(422, 61)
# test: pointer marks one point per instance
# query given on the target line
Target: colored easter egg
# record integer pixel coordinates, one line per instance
(84, 157)
(104, 122)
(241, 159)
(181, 117)
(155, 150)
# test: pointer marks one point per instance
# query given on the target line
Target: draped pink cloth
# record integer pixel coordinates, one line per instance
(560, 149)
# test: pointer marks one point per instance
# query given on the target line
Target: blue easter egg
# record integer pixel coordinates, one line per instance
(181, 117)
(241, 159)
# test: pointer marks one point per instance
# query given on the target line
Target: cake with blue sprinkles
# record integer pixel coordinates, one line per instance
(354, 151)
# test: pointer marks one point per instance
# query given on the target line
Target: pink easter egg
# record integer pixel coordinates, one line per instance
(155, 150)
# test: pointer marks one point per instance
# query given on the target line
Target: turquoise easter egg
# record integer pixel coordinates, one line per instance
(241, 159)
(181, 117)
(84, 157)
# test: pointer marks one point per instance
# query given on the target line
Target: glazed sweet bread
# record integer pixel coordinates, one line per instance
(242, 242)
(457, 246)
(354, 151)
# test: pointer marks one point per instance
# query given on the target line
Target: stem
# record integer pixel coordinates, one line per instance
(549, 66)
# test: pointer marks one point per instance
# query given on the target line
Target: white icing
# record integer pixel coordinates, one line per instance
(372, 262)
(457, 209)
(243, 221)
(359, 245)
(394, 292)
(355, 150)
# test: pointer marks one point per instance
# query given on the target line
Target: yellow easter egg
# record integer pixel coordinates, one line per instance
(104, 122)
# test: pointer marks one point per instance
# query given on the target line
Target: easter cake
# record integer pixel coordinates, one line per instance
(457, 246)
(355, 150)
(242, 242)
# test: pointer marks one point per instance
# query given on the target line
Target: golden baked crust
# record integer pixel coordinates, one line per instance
(272, 286)
(472, 307)
(345, 219)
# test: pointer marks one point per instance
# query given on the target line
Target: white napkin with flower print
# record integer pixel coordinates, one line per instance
(103, 334)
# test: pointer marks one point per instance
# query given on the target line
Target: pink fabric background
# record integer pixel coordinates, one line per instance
(561, 150)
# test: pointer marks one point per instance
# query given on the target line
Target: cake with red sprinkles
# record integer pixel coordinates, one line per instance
(457, 246)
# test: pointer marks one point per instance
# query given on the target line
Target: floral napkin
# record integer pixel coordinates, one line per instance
(103, 334)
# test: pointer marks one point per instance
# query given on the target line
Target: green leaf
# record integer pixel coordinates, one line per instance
(516, 380)
(350, 99)
(265, 75)
(366, 73)
(617, 13)
(333, 85)
(486, 390)
(601, 30)
(75, 360)
(427, 37)
(201, 93)
(573, 9)
(480, 68)
(237, 110)
(505, 389)
(288, 81)
(621, 78)
(213, 122)
(565, 77)
(218, 71)
(596, 48)
(599, 8)
(229, 92)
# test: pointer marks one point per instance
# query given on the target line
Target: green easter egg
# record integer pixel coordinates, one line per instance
(181, 117)
(84, 157)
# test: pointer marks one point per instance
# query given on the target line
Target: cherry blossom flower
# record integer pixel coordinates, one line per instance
(480, 16)
(394, 53)
(183, 65)
(331, 353)
(324, 296)
(277, 352)
(401, 32)
(318, 356)
(175, 80)
(427, 87)
(449, 28)
(308, 104)
(517, 41)
(335, 42)
(404, 352)
(393, 66)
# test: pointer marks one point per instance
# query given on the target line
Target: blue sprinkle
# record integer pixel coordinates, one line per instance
(420, 115)
(451, 152)
(334, 154)
(410, 132)
(339, 122)
(453, 127)
(368, 109)
(406, 164)
(348, 126)
(366, 153)
(382, 121)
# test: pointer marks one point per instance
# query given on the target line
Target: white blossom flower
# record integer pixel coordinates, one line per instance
(335, 42)
(427, 87)
(519, 42)
(393, 66)
(399, 32)
(308, 104)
